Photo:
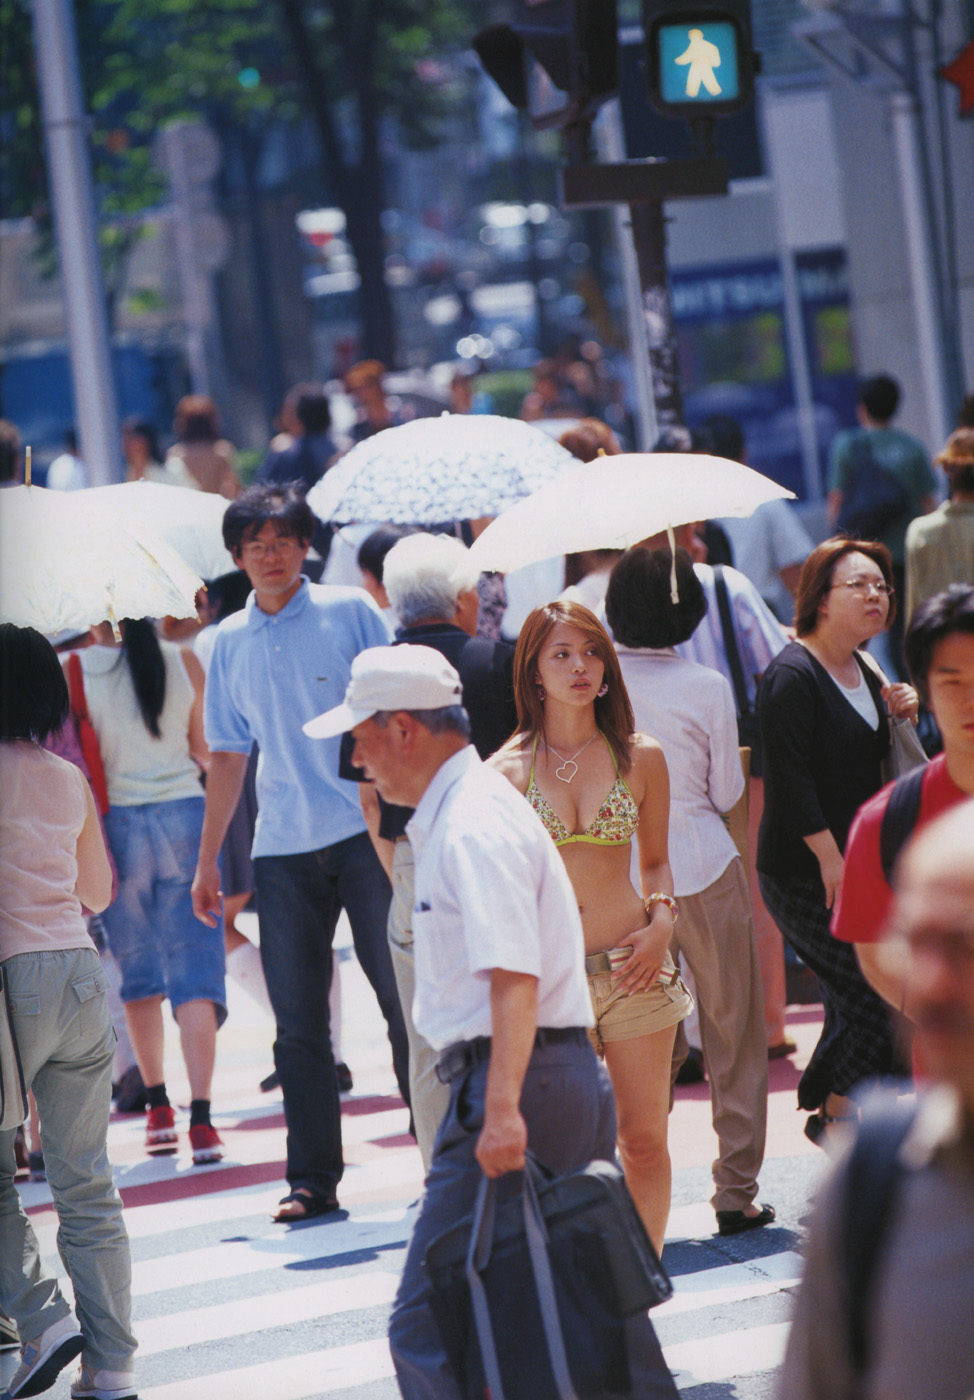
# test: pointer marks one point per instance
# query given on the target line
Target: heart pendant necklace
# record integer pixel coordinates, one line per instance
(562, 772)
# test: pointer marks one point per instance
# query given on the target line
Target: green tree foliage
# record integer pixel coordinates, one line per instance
(352, 66)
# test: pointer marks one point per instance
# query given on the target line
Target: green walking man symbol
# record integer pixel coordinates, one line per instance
(702, 57)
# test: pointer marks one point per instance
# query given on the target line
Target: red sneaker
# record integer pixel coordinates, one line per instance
(205, 1142)
(160, 1130)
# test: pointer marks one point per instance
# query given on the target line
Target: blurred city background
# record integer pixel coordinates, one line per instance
(282, 190)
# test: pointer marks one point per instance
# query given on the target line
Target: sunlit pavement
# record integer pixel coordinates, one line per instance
(232, 1307)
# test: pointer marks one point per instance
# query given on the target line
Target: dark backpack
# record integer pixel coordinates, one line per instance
(899, 819)
(871, 1182)
(874, 497)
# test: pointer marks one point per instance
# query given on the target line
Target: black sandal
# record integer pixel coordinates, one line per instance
(735, 1222)
(311, 1205)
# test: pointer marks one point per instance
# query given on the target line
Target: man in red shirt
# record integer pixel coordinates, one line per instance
(940, 654)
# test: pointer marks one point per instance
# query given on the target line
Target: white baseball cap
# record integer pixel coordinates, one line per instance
(390, 678)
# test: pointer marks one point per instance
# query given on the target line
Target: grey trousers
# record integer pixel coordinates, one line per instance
(67, 1043)
(568, 1106)
(428, 1097)
(715, 936)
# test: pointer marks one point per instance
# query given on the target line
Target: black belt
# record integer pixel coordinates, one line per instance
(458, 1059)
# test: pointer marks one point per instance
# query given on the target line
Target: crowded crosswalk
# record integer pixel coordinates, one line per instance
(229, 1306)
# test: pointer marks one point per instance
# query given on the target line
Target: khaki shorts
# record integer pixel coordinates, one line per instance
(622, 1017)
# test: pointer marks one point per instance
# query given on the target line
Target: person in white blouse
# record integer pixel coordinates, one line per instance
(689, 710)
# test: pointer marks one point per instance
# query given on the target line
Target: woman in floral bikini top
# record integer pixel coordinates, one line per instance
(596, 786)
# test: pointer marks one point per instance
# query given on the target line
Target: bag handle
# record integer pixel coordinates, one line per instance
(478, 1255)
(87, 737)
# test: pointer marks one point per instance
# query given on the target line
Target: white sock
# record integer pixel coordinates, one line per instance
(244, 966)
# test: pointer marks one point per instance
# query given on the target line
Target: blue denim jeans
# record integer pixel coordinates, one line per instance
(567, 1105)
(160, 946)
(299, 899)
(66, 1040)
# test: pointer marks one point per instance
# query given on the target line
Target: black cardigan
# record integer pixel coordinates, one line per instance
(821, 760)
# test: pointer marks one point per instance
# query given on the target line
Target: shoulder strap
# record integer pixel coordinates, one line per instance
(534, 750)
(872, 1177)
(730, 641)
(899, 819)
(76, 686)
(612, 754)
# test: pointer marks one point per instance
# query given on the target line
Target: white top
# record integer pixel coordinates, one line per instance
(491, 891)
(42, 811)
(772, 538)
(589, 591)
(138, 767)
(689, 710)
(860, 697)
(759, 633)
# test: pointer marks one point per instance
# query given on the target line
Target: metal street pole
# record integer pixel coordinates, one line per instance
(69, 170)
(611, 146)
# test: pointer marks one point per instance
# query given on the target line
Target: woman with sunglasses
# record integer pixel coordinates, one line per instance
(597, 787)
(825, 726)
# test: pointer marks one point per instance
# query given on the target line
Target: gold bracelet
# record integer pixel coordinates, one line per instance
(659, 898)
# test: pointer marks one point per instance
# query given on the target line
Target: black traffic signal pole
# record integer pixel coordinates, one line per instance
(649, 238)
(573, 44)
(644, 185)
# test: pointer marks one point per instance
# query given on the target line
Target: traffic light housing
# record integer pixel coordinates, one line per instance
(557, 60)
(700, 57)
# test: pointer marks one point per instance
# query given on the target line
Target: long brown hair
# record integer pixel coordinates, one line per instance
(613, 712)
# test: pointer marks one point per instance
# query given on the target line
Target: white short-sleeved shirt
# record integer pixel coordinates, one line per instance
(768, 540)
(491, 892)
(759, 633)
(689, 710)
(269, 673)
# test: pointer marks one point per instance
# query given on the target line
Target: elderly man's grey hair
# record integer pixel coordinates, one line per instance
(424, 576)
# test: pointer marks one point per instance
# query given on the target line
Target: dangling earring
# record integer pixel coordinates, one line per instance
(602, 690)
(542, 693)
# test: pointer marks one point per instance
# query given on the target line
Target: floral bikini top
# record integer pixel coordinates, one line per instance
(615, 822)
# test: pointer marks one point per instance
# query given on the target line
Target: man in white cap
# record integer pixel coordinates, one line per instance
(500, 984)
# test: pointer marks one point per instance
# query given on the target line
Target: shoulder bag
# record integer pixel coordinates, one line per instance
(748, 723)
(13, 1090)
(87, 737)
(905, 750)
(530, 1297)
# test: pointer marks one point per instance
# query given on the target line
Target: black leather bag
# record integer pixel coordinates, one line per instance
(531, 1295)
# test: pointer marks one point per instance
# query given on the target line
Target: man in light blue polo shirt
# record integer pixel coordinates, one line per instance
(275, 665)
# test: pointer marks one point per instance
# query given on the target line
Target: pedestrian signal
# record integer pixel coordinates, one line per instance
(700, 58)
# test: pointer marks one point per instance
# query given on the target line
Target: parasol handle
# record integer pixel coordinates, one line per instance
(674, 590)
(27, 465)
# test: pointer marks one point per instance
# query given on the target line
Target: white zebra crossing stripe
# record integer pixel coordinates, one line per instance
(238, 1319)
(732, 1283)
(230, 1307)
(291, 1378)
(717, 1358)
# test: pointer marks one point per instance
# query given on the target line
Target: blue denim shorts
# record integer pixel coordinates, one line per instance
(160, 946)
